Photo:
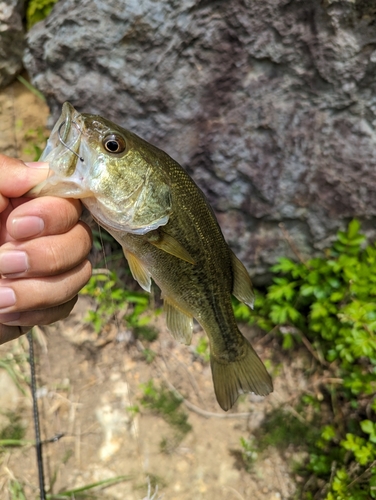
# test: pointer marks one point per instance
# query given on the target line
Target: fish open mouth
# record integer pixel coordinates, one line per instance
(63, 145)
(62, 153)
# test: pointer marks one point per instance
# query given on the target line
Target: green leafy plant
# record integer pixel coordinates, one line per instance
(329, 304)
(37, 10)
(84, 491)
(15, 363)
(16, 490)
(249, 452)
(282, 428)
(35, 141)
(167, 404)
(13, 433)
(149, 355)
(112, 300)
(202, 349)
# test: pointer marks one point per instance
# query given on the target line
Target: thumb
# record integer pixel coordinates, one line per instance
(16, 177)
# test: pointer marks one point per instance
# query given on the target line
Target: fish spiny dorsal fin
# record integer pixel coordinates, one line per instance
(168, 244)
(246, 373)
(242, 288)
(138, 270)
(179, 323)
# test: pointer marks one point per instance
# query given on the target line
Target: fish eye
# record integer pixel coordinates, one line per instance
(114, 144)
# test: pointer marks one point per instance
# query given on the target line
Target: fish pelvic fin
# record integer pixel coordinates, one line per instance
(139, 271)
(246, 373)
(242, 288)
(179, 323)
(170, 245)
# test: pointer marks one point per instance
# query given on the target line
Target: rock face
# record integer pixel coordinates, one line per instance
(11, 39)
(269, 104)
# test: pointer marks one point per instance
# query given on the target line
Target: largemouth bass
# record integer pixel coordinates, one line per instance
(168, 232)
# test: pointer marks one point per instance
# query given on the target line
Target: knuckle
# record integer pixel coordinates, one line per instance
(8, 333)
(68, 306)
(69, 213)
(87, 235)
(87, 272)
(56, 313)
(54, 259)
(60, 214)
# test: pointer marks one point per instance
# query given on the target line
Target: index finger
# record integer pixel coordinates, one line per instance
(52, 216)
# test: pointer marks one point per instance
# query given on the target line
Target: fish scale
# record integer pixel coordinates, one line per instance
(168, 232)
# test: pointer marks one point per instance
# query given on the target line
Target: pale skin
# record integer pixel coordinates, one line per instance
(43, 251)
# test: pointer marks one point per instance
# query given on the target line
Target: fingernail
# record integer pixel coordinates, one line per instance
(37, 164)
(7, 297)
(13, 262)
(26, 227)
(10, 318)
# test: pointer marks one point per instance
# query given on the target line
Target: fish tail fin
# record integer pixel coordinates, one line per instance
(245, 373)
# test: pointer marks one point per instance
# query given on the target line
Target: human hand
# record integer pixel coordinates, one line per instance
(43, 251)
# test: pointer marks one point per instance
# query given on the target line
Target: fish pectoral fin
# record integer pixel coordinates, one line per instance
(242, 288)
(168, 244)
(138, 270)
(246, 373)
(179, 323)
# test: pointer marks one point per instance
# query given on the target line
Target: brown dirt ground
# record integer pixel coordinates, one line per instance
(87, 383)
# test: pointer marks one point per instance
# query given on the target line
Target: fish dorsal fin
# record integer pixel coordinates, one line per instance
(168, 244)
(179, 323)
(242, 289)
(138, 270)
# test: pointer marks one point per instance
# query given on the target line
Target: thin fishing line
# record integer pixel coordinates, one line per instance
(106, 267)
(102, 245)
(65, 144)
(105, 262)
(38, 442)
(118, 329)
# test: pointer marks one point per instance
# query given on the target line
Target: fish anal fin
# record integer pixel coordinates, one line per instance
(179, 323)
(170, 245)
(244, 374)
(242, 288)
(138, 270)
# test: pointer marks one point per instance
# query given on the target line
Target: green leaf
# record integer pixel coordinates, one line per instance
(334, 282)
(307, 290)
(336, 296)
(284, 266)
(282, 289)
(318, 310)
(328, 432)
(353, 228)
(37, 10)
(279, 314)
(288, 341)
(313, 277)
(293, 313)
(99, 484)
(365, 454)
(352, 442)
(369, 427)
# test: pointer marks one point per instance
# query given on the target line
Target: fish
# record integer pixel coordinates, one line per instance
(168, 232)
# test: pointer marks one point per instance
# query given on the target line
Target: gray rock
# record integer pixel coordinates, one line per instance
(11, 39)
(269, 104)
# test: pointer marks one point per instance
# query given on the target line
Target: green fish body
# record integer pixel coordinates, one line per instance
(168, 232)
